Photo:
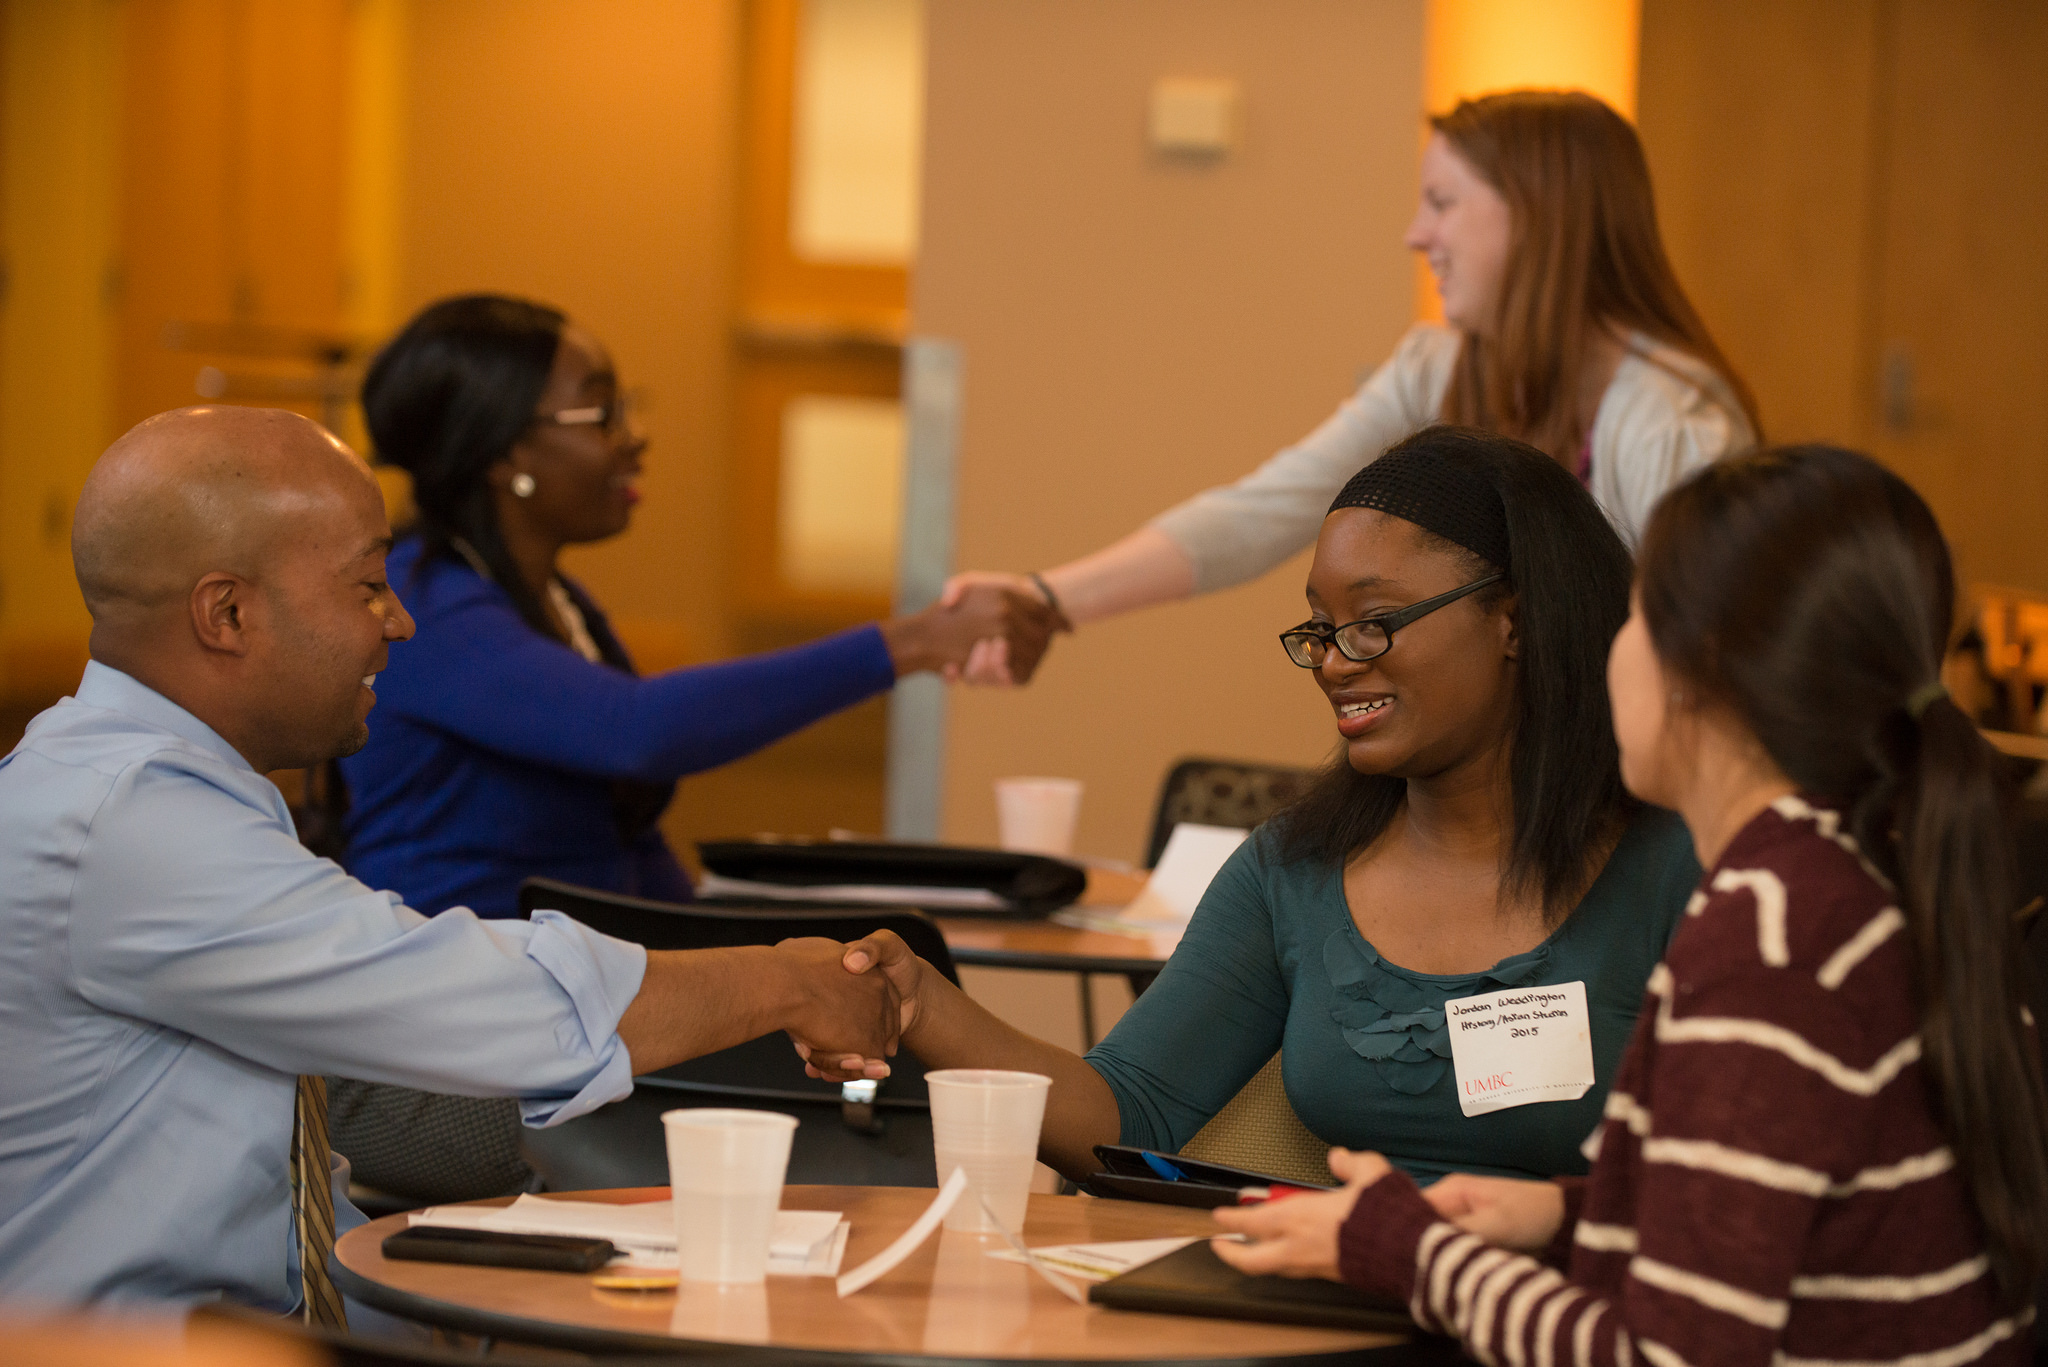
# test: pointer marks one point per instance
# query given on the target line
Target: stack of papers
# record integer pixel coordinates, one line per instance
(806, 1243)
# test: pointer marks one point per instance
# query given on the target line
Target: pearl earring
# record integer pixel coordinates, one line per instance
(522, 485)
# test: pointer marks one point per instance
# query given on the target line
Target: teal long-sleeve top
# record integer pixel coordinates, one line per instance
(1273, 961)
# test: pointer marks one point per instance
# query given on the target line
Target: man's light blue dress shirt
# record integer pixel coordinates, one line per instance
(171, 959)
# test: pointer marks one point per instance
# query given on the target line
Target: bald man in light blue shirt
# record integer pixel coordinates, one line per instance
(171, 959)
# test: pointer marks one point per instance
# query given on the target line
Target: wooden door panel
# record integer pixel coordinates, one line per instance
(1962, 299)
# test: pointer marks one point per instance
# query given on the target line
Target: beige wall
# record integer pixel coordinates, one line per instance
(586, 155)
(1136, 329)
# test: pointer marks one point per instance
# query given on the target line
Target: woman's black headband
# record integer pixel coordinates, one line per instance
(1440, 493)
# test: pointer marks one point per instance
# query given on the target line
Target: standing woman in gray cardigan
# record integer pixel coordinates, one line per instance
(1565, 327)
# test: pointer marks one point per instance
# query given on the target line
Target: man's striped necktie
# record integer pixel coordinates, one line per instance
(313, 1205)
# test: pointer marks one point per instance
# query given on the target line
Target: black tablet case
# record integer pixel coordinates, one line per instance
(1029, 884)
(1126, 1176)
(1194, 1281)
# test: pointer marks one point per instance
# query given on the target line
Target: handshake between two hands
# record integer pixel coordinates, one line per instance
(860, 1000)
(986, 628)
(856, 1002)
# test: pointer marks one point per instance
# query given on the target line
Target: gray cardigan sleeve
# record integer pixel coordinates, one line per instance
(1236, 532)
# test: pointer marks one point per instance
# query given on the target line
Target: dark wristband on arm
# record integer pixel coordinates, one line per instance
(1052, 600)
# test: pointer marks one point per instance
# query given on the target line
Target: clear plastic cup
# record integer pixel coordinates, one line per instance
(1037, 815)
(986, 1120)
(725, 1171)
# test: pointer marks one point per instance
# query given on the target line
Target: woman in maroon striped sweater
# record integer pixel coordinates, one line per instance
(1825, 1144)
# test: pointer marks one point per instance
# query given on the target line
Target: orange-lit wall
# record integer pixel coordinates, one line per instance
(585, 155)
(1475, 47)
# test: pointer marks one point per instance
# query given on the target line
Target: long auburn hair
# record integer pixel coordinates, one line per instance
(1584, 254)
(1568, 580)
(1810, 590)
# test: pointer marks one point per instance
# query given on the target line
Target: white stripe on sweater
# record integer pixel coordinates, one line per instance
(1466, 1290)
(1520, 1304)
(1765, 1312)
(1788, 1043)
(1829, 824)
(1447, 1260)
(1969, 1350)
(1769, 892)
(1582, 1332)
(1658, 1355)
(1846, 1288)
(1630, 1112)
(1425, 1255)
(1892, 1176)
(1859, 946)
(1704, 1155)
(1605, 1238)
(1487, 1307)
(1547, 1321)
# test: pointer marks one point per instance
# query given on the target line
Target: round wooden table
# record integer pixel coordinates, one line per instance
(949, 1302)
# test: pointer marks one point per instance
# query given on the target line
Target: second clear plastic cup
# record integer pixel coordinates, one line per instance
(986, 1120)
(725, 1170)
(1037, 815)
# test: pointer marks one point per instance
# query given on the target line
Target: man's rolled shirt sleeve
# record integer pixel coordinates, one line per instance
(226, 931)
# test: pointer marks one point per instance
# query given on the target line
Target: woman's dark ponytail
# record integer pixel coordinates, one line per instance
(446, 400)
(1958, 886)
(1811, 590)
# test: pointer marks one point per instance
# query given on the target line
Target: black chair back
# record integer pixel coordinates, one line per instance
(1221, 792)
(621, 1144)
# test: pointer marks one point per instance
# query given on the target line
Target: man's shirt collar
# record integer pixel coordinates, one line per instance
(106, 687)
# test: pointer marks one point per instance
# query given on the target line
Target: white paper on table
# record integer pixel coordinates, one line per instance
(1030, 1259)
(805, 1243)
(907, 1242)
(860, 894)
(1100, 1262)
(1160, 940)
(1193, 856)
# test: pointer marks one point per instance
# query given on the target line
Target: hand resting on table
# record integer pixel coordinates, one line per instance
(1297, 1236)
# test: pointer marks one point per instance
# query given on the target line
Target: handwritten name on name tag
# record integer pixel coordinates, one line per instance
(1524, 1045)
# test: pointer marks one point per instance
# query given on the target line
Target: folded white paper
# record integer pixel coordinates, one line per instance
(805, 1243)
(907, 1242)
(1099, 1262)
(862, 894)
(1193, 856)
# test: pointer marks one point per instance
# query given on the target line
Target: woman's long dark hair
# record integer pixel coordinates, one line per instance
(1809, 589)
(1569, 579)
(446, 400)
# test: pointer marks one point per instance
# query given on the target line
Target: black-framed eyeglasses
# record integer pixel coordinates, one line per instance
(1368, 638)
(614, 417)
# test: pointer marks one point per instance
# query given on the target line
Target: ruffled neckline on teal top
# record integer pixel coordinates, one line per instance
(1394, 1017)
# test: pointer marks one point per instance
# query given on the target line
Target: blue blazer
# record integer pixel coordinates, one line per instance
(495, 749)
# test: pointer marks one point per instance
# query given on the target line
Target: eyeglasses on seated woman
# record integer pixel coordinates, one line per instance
(1826, 1140)
(1471, 837)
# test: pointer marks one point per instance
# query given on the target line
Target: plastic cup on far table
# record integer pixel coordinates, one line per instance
(725, 1169)
(1037, 815)
(986, 1120)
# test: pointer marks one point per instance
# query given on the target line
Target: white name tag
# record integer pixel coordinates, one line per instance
(1523, 1045)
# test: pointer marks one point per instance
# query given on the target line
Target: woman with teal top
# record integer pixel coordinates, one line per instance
(1469, 855)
